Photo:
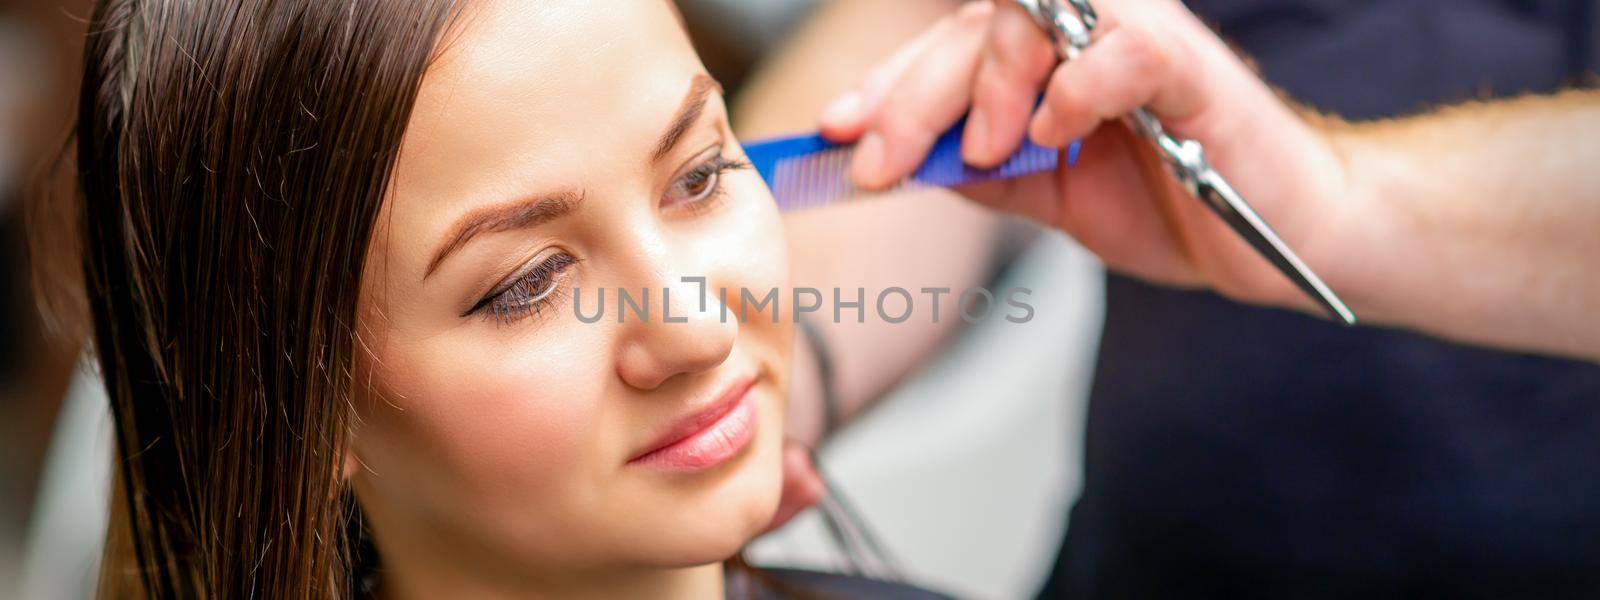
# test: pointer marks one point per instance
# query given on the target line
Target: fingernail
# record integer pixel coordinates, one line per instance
(869, 159)
(845, 110)
(975, 143)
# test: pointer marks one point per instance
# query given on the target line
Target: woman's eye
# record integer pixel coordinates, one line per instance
(703, 182)
(695, 185)
(527, 293)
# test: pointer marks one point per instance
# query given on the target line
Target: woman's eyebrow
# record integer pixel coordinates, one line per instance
(505, 217)
(529, 213)
(694, 103)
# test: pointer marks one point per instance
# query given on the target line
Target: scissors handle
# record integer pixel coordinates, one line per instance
(1070, 25)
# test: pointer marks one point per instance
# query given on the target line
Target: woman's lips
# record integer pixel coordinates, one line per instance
(709, 437)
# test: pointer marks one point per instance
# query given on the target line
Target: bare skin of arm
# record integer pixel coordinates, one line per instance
(1479, 223)
(869, 244)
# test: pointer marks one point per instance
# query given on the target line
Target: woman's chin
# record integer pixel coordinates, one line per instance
(707, 537)
(718, 522)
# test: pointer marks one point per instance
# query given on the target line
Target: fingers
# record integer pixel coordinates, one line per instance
(993, 59)
(1017, 59)
(1127, 68)
(846, 118)
(904, 112)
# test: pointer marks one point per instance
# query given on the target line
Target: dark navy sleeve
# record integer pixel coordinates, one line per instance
(1243, 452)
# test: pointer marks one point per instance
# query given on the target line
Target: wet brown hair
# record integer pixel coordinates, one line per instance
(231, 160)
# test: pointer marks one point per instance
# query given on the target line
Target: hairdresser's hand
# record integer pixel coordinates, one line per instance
(1119, 201)
(802, 486)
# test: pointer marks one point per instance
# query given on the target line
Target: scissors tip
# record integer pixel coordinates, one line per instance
(1338, 310)
(1348, 319)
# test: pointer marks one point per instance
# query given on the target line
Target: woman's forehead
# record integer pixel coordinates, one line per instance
(547, 86)
(566, 66)
(527, 98)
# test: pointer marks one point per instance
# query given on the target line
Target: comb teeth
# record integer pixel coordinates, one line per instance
(807, 171)
(813, 180)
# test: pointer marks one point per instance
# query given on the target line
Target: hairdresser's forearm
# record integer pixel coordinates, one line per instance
(827, 54)
(1479, 223)
(862, 245)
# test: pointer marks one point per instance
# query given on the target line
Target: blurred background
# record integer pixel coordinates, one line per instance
(39, 45)
(965, 472)
(1236, 449)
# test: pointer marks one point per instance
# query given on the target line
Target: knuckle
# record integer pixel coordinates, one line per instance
(883, 77)
(974, 14)
(887, 76)
(992, 88)
(899, 126)
(1018, 55)
(1065, 97)
(1148, 54)
(1012, 37)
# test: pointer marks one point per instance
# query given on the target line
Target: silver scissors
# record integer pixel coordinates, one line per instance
(1070, 25)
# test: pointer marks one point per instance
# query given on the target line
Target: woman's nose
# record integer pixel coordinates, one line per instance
(683, 329)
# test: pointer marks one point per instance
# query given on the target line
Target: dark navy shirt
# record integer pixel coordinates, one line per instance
(1239, 452)
(797, 584)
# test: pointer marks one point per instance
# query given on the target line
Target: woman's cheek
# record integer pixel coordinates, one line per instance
(755, 249)
(504, 421)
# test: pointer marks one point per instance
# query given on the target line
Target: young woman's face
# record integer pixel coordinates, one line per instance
(558, 148)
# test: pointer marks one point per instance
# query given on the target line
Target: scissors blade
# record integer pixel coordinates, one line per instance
(1218, 195)
(1071, 34)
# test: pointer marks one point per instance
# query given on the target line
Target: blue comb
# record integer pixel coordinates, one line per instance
(806, 171)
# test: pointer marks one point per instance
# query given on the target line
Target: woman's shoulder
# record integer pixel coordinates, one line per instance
(799, 584)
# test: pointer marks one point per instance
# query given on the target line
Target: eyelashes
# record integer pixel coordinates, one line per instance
(695, 192)
(529, 292)
(701, 188)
